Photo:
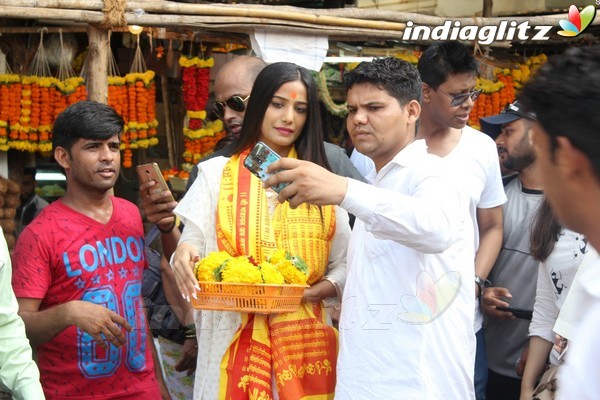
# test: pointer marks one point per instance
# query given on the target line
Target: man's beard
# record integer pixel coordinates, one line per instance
(519, 162)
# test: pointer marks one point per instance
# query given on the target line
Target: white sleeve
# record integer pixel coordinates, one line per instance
(336, 269)
(18, 371)
(545, 310)
(197, 210)
(426, 220)
(579, 376)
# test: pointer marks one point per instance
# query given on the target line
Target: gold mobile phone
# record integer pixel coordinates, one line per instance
(151, 172)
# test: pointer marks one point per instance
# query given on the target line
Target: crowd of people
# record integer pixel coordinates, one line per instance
(463, 262)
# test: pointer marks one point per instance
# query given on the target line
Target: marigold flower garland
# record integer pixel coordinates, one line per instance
(280, 268)
(29, 106)
(501, 90)
(200, 136)
(134, 98)
(10, 109)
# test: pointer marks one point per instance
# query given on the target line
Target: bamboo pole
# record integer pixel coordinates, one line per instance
(164, 87)
(288, 13)
(97, 83)
(228, 24)
(357, 23)
(214, 10)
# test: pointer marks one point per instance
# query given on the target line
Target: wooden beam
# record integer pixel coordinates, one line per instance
(36, 29)
(179, 9)
(211, 23)
(97, 82)
(278, 12)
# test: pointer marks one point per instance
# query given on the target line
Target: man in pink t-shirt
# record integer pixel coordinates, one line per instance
(78, 268)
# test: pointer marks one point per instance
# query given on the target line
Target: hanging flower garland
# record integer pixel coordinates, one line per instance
(134, 98)
(46, 117)
(117, 99)
(501, 89)
(200, 136)
(10, 99)
(37, 101)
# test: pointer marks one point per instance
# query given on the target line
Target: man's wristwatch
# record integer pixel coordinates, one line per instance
(482, 284)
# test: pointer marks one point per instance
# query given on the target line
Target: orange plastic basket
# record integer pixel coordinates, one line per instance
(258, 298)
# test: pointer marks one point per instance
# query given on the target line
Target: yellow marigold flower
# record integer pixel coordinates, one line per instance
(291, 274)
(241, 270)
(116, 80)
(196, 62)
(143, 143)
(9, 78)
(270, 274)
(205, 268)
(47, 146)
(216, 126)
(197, 114)
(278, 256)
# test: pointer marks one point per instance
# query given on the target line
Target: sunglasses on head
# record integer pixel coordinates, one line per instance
(517, 109)
(458, 99)
(235, 103)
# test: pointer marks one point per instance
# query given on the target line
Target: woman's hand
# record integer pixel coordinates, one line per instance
(319, 291)
(183, 261)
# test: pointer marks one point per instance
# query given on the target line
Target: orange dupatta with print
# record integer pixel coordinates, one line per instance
(298, 349)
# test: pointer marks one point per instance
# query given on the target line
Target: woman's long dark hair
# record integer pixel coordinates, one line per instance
(545, 231)
(309, 144)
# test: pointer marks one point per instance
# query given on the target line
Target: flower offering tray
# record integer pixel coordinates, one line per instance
(255, 298)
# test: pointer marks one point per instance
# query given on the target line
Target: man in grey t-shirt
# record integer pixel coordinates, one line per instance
(514, 274)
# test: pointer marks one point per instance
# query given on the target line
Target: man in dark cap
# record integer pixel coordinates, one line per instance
(514, 275)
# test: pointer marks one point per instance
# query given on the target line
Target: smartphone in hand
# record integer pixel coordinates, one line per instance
(259, 160)
(518, 312)
(151, 172)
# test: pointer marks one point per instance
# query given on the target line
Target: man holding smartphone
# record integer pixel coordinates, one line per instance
(412, 242)
(514, 274)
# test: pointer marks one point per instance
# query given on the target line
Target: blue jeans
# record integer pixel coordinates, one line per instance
(481, 368)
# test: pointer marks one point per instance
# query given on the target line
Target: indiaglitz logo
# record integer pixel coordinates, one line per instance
(577, 21)
(487, 34)
(506, 30)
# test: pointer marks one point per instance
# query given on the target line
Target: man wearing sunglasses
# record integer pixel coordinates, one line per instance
(449, 73)
(514, 274)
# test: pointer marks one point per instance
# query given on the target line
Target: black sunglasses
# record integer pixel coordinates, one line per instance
(458, 99)
(236, 103)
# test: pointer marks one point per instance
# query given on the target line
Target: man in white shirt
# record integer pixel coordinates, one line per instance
(449, 73)
(406, 330)
(565, 95)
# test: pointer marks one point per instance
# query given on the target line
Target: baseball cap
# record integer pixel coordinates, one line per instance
(512, 112)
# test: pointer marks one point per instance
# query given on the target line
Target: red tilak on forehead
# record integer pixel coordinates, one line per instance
(293, 95)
